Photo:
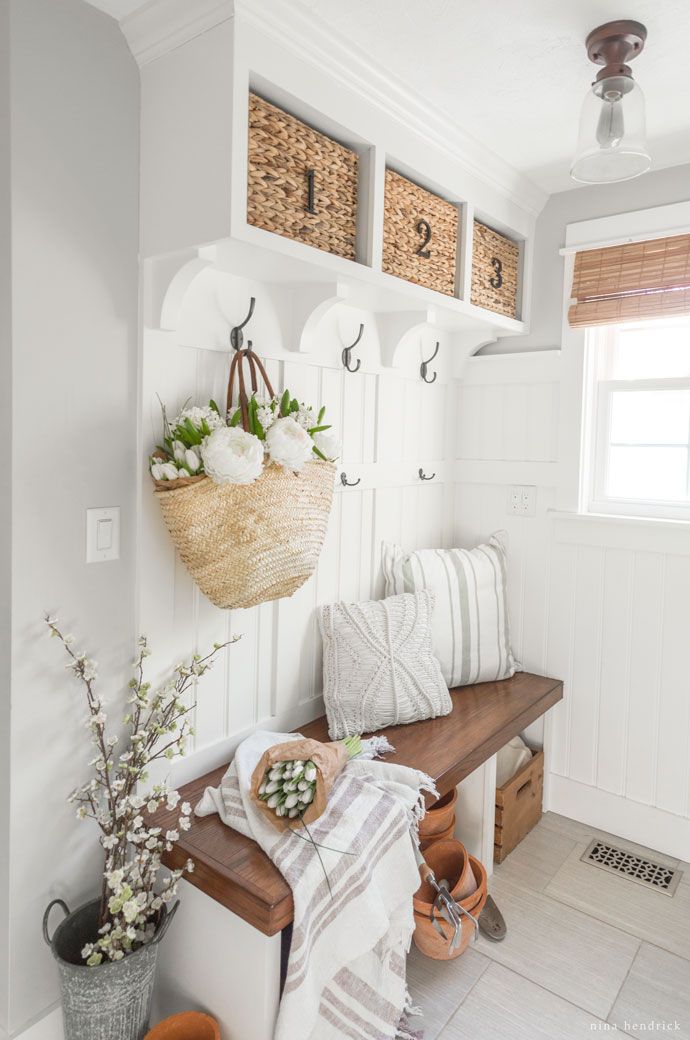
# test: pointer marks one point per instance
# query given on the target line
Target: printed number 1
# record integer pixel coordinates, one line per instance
(310, 207)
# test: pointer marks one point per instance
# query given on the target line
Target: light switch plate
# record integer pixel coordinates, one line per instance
(103, 534)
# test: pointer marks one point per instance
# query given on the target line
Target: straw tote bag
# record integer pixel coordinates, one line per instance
(245, 544)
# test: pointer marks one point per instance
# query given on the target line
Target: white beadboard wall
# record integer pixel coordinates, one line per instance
(391, 424)
(598, 602)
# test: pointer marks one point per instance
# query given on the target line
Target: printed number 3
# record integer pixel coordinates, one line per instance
(496, 280)
(424, 229)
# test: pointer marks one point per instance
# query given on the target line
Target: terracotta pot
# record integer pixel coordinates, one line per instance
(439, 817)
(189, 1025)
(466, 876)
(425, 843)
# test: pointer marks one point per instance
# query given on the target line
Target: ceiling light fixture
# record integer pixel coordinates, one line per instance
(612, 144)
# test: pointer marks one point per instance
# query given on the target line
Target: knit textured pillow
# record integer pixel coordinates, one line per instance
(378, 666)
(470, 629)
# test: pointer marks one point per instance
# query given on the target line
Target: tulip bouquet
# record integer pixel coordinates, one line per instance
(289, 787)
(200, 441)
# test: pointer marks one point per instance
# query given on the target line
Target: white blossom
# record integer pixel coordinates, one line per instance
(232, 456)
(328, 445)
(289, 444)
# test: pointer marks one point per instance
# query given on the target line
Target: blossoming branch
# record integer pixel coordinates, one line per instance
(157, 725)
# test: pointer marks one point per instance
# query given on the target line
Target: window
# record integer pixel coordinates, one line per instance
(637, 419)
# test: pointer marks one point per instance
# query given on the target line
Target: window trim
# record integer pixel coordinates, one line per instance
(596, 418)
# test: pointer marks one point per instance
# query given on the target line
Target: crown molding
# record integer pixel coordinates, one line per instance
(162, 25)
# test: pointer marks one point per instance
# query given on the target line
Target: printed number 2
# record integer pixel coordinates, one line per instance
(424, 229)
(497, 280)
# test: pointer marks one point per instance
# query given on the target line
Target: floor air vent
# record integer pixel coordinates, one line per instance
(636, 868)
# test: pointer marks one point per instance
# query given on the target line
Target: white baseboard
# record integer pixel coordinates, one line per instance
(47, 1028)
(644, 824)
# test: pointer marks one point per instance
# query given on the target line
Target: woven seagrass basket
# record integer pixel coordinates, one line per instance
(495, 261)
(301, 183)
(245, 544)
(420, 235)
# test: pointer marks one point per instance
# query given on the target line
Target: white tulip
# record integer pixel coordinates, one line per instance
(232, 456)
(169, 471)
(291, 801)
(157, 471)
(192, 460)
(178, 451)
(310, 772)
(289, 444)
(328, 445)
(273, 800)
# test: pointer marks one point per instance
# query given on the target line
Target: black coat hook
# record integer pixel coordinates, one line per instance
(349, 483)
(236, 336)
(348, 351)
(425, 365)
(422, 475)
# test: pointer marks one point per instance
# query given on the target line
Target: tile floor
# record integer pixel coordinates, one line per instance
(587, 953)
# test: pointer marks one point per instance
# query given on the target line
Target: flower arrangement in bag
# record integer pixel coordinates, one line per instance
(293, 780)
(156, 727)
(233, 449)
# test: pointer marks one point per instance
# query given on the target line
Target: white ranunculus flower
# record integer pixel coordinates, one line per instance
(232, 456)
(289, 444)
(328, 444)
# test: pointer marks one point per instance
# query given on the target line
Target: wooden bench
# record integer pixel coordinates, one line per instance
(235, 872)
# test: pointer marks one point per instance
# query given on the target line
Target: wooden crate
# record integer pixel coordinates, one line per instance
(495, 263)
(301, 183)
(518, 806)
(420, 235)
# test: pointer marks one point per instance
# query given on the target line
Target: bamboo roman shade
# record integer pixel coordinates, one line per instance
(630, 282)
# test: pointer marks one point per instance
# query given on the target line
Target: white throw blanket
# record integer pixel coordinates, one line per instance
(346, 971)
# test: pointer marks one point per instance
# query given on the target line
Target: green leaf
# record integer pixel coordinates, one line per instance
(321, 414)
(235, 420)
(212, 404)
(294, 405)
(205, 428)
(319, 453)
(192, 432)
(285, 403)
(318, 429)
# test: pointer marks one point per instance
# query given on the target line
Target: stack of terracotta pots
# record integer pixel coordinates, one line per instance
(465, 878)
(439, 821)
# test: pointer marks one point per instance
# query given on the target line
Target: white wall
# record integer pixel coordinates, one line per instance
(5, 499)
(74, 309)
(599, 603)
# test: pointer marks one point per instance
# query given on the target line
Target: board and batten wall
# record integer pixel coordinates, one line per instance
(390, 424)
(598, 602)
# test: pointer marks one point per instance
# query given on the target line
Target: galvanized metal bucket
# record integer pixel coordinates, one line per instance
(111, 1001)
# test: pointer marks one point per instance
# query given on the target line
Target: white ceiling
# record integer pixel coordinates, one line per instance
(513, 73)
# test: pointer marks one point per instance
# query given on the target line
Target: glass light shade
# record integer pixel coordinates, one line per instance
(612, 145)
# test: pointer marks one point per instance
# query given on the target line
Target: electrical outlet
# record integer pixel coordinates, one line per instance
(522, 500)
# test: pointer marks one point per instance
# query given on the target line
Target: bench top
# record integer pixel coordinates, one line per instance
(237, 873)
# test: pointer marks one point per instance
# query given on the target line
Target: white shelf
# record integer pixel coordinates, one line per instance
(270, 258)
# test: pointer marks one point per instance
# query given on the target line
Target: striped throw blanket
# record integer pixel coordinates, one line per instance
(351, 933)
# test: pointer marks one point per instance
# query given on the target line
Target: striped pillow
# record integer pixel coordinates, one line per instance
(470, 626)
